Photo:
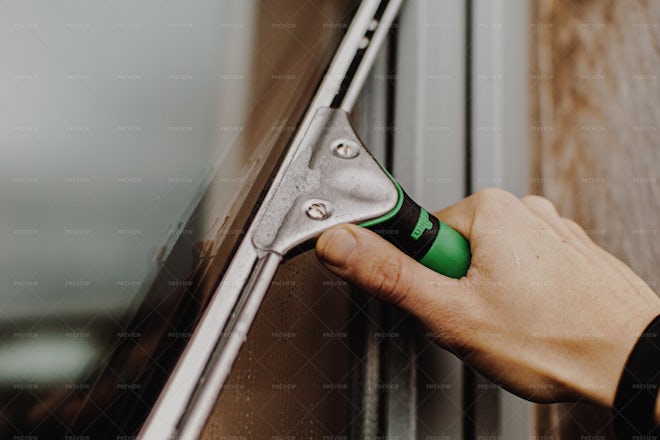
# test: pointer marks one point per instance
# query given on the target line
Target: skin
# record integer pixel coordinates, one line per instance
(543, 310)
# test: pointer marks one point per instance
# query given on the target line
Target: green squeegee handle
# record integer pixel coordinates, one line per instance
(423, 237)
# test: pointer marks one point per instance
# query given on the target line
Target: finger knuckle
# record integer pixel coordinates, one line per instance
(495, 203)
(386, 281)
(576, 228)
(540, 202)
(498, 196)
(572, 224)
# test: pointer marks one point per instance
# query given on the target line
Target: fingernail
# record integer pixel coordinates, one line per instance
(340, 245)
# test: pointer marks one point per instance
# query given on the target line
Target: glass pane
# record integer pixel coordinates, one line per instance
(136, 138)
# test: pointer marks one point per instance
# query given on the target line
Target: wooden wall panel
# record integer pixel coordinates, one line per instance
(595, 143)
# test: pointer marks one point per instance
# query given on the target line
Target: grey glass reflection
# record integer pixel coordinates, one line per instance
(113, 116)
(128, 137)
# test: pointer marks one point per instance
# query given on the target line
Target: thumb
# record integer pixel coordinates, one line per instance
(368, 261)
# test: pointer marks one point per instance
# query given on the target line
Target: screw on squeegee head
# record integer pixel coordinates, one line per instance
(331, 180)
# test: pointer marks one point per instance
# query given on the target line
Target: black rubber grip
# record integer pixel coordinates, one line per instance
(399, 229)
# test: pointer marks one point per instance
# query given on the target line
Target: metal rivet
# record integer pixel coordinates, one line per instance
(346, 149)
(317, 211)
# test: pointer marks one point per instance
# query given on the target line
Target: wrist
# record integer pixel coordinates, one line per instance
(602, 363)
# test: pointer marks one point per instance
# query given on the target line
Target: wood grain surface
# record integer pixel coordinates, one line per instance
(595, 144)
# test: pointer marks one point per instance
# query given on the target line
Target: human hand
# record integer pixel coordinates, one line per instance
(543, 310)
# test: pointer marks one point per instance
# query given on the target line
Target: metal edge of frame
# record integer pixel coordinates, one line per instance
(164, 420)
